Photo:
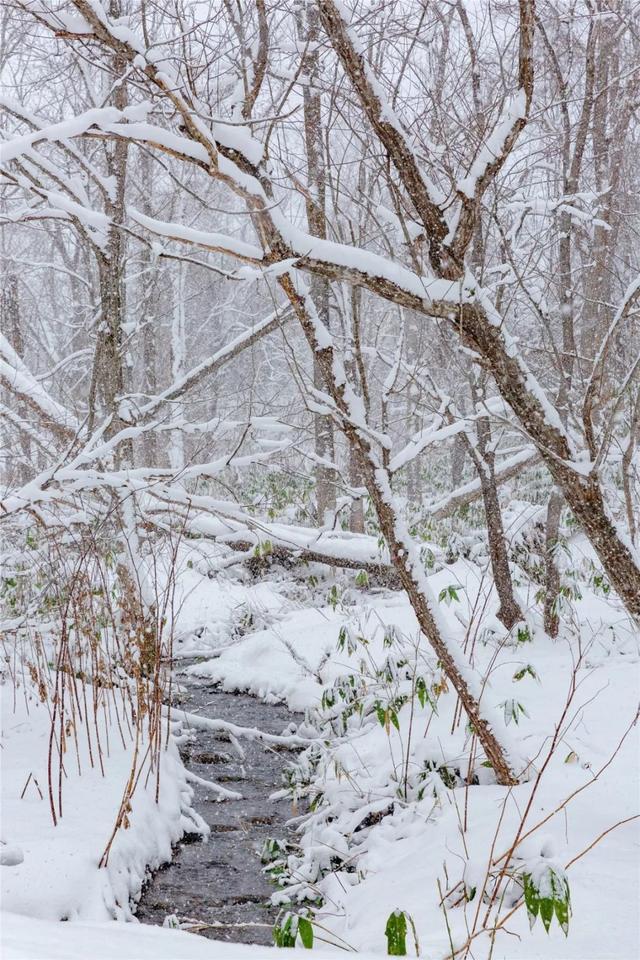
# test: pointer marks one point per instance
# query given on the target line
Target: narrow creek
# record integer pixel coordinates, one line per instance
(219, 883)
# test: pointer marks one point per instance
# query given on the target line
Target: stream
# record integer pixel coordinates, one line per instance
(218, 883)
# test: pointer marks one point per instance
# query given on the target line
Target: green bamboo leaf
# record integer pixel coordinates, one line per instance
(285, 931)
(396, 934)
(306, 933)
(531, 900)
(562, 914)
(546, 911)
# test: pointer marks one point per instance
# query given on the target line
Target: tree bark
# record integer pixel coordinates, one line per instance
(509, 612)
(316, 219)
(10, 325)
(551, 571)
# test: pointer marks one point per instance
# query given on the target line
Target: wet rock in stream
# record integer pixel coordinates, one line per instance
(220, 880)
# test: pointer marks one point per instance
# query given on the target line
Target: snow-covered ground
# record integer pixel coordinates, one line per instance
(393, 825)
(211, 606)
(417, 849)
(59, 876)
(24, 938)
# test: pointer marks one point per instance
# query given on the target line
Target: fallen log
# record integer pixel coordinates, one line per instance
(379, 574)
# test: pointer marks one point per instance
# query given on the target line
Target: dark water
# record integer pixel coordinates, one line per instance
(220, 880)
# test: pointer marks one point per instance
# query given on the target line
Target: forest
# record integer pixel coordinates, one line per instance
(320, 479)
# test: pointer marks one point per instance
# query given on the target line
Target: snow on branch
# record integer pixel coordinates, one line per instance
(469, 492)
(101, 117)
(16, 377)
(216, 242)
(335, 20)
(495, 147)
(292, 741)
(426, 437)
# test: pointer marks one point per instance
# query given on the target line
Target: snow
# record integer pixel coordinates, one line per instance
(297, 659)
(399, 874)
(67, 129)
(429, 289)
(385, 110)
(304, 245)
(261, 639)
(280, 662)
(238, 138)
(430, 435)
(16, 374)
(23, 938)
(493, 148)
(523, 456)
(237, 525)
(59, 877)
(217, 241)
(150, 133)
(396, 805)
(202, 369)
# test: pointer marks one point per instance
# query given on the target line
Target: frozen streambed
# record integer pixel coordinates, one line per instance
(219, 882)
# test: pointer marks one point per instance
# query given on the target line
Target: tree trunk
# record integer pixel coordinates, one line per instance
(478, 329)
(10, 325)
(148, 312)
(457, 461)
(582, 493)
(356, 513)
(629, 475)
(316, 219)
(176, 449)
(509, 612)
(107, 379)
(358, 374)
(551, 572)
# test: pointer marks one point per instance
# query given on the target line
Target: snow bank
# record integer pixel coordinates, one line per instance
(288, 661)
(23, 938)
(296, 659)
(206, 613)
(59, 878)
(400, 860)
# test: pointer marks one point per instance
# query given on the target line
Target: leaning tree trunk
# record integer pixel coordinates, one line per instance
(475, 328)
(403, 553)
(583, 494)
